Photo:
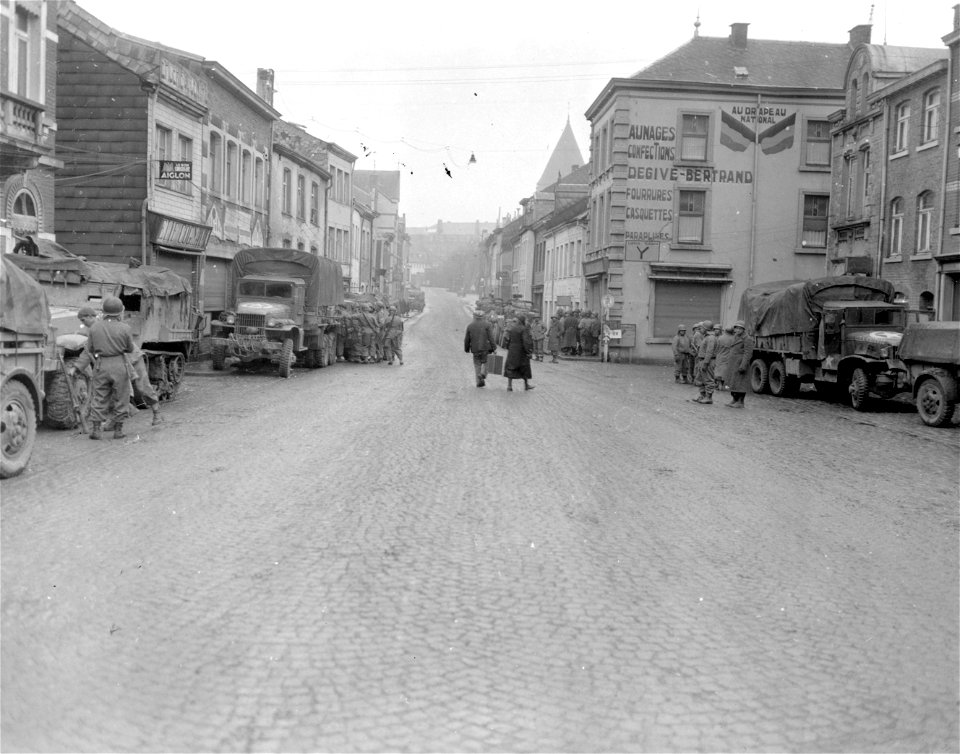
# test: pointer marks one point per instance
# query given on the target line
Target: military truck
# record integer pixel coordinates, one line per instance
(931, 354)
(840, 333)
(23, 338)
(158, 307)
(283, 308)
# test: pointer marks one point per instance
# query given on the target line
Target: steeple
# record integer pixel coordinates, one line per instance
(565, 158)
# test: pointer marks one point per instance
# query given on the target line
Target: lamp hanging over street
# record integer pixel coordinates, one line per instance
(472, 160)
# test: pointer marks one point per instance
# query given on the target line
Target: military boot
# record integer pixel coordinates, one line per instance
(157, 419)
(96, 433)
(118, 431)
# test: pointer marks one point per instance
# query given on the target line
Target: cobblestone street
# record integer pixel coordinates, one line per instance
(374, 558)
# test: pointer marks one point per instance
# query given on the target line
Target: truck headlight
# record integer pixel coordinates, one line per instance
(273, 322)
(228, 317)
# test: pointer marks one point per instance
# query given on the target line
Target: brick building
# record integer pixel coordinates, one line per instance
(711, 172)
(948, 290)
(887, 160)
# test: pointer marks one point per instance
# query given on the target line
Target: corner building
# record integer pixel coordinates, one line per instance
(711, 172)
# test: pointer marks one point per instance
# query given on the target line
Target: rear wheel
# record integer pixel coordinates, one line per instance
(759, 376)
(285, 364)
(18, 428)
(932, 405)
(777, 378)
(859, 389)
(176, 368)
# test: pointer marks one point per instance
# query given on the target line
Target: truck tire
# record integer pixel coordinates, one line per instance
(18, 428)
(176, 368)
(314, 358)
(859, 389)
(777, 379)
(218, 358)
(58, 408)
(285, 364)
(932, 405)
(759, 376)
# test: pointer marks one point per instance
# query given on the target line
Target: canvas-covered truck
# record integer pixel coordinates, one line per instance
(840, 333)
(158, 307)
(931, 354)
(283, 308)
(24, 322)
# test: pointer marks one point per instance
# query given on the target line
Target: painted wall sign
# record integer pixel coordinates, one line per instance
(171, 170)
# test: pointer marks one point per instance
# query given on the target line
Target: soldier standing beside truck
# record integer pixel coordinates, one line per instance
(106, 350)
(393, 337)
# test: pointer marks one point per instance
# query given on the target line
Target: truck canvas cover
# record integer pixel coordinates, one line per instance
(795, 306)
(25, 309)
(322, 276)
(151, 280)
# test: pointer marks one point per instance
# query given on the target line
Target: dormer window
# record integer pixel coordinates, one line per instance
(740, 72)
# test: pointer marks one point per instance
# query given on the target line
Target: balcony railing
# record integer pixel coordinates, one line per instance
(22, 119)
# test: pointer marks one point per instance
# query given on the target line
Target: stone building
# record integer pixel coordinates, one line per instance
(711, 172)
(28, 123)
(948, 289)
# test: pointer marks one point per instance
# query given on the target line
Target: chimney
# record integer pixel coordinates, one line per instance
(265, 85)
(956, 17)
(860, 34)
(738, 36)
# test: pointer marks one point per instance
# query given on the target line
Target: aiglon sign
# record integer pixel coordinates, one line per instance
(172, 170)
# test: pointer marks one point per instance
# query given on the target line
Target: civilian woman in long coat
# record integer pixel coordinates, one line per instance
(519, 345)
(738, 365)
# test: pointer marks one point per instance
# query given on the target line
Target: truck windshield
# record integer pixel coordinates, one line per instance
(265, 289)
(890, 317)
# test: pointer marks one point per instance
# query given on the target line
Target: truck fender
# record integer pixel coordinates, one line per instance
(947, 381)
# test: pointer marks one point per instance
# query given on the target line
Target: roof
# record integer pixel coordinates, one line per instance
(894, 62)
(565, 158)
(564, 215)
(768, 63)
(386, 182)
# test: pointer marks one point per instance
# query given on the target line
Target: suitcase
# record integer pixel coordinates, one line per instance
(495, 364)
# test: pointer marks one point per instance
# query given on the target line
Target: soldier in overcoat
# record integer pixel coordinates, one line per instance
(740, 356)
(706, 356)
(554, 337)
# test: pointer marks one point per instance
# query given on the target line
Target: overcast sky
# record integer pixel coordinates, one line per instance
(420, 86)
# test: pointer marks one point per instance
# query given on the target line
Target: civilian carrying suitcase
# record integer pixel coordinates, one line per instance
(495, 364)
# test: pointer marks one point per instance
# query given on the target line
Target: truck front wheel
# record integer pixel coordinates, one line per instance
(285, 364)
(932, 405)
(859, 389)
(18, 428)
(759, 376)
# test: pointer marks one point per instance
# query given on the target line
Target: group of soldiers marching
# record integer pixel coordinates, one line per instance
(370, 333)
(713, 358)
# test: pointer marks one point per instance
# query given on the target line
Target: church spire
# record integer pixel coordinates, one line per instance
(566, 157)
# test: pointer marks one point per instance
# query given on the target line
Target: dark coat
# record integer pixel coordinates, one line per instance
(479, 338)
(739, 357)
(519, 347)
(554, 336)
(723, 365)
(570, 332)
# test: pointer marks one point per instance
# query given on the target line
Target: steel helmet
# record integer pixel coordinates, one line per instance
(112, 305)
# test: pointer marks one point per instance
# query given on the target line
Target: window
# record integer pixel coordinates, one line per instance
(855, 97)
(815, 209)
(902, 133)
(231, 177)
(164, 143)
(315, 203)
(851, 193)
(287, 188)
(924, 221)
(931, 116)
(691, 216)
(301, 197)
(216, 162)
(693, 137)
(817, 143)
(895, 247)
(300, 246)
(258, 182)
(26, 57)
(245, 177)
(23, 204)
(864, 178)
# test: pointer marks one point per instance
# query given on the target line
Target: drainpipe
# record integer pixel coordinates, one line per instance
(753, 197)
(882, 215)
(143, 226)
(947, 139)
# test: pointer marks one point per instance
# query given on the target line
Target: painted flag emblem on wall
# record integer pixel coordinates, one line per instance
(734, 134)
(779, 136)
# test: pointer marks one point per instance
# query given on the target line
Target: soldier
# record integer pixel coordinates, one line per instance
(538, 332)
(368, 333)
(704, 376)
(741, 352)
(393, 337)
(106, 348)
(682, 356)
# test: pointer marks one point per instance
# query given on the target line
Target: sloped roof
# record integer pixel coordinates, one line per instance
(564, 215)
(386, 182)
(578, 177)
(768, 63)
(895, 62)
(566, 156)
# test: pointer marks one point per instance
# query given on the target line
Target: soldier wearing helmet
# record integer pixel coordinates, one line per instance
(704, 378)
(393, 337)
(106, 349)
(682, 355)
